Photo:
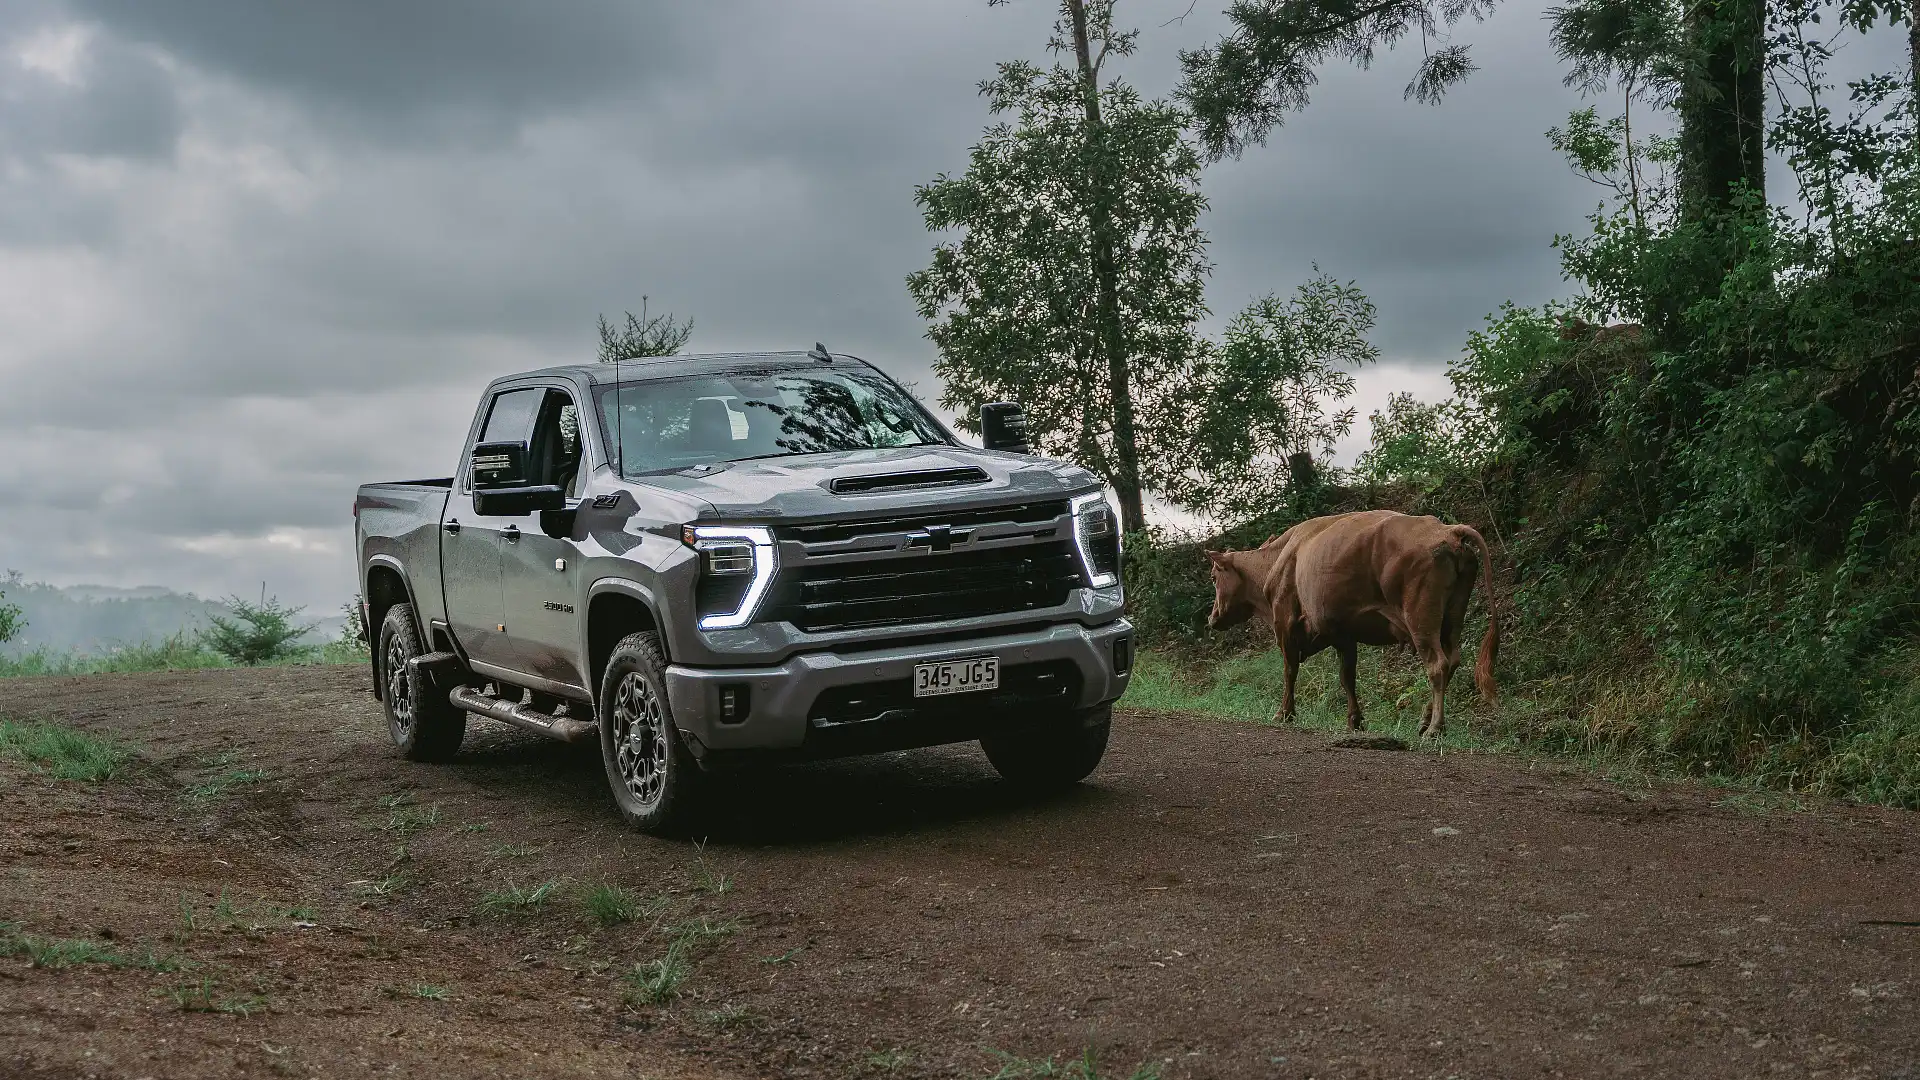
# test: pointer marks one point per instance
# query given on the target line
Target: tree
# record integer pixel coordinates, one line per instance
(12, 620)
(257, 633)
(1244, 86)
(1260, 398)
(1078, 272)
(646, 335)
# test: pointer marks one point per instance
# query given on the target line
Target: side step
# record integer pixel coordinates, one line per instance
(565, 729)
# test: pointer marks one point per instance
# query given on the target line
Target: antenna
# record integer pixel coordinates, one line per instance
(620, 416)
(820, 353)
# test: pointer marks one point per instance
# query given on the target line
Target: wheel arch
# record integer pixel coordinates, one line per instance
(386, 586)
(617, 607)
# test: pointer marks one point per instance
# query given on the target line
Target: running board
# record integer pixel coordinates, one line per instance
(565, 729)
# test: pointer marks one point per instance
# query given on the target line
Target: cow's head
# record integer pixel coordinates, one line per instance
(1233, 594)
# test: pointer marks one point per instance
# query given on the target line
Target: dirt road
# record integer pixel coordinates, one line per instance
(277, 894)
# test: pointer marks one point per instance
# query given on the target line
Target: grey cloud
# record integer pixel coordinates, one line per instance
(382, 206)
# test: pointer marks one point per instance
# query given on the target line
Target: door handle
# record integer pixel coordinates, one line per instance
(452, 525)
(512, 533)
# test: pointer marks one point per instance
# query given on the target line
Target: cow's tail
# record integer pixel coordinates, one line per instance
(1489, 645)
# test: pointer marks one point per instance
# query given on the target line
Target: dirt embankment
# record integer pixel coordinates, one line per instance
(271, 892)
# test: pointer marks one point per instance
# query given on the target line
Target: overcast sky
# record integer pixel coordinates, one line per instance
(253, 254)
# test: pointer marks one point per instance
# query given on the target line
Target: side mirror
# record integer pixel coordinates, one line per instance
(1003, 426)
(500, 487)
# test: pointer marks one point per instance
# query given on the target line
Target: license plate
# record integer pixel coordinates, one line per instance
(956, 676)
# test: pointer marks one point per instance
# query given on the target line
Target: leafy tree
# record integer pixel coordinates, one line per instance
(257, 633)
(353, 632)
(644, 335)
(12, 621)
(1244, 86)
(1078, 270)
(1260, 396)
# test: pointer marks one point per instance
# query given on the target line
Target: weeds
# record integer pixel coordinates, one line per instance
(511, 851)
(889, 1060)
(703, 929)
(704, 877)
(430, 992)
(68, 753)
(657, 982)
(515, 900)
(1083, 1068)
(73, 952)
(223, 784)
(380, 888)
(199, 997)
(730, 1017)
(611, 904)
(409, 821)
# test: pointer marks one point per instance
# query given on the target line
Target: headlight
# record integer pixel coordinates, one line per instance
(737, 564)
(1097, 536)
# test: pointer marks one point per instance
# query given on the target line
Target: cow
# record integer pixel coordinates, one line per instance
(1371, 578)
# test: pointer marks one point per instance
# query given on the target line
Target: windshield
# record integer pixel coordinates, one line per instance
(660, 425)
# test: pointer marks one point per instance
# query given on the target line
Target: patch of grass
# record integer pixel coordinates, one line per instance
(221, 913)
(200, 996)
(785, 957)
(430, 992)
(516, 900)
(729, 1017)
(889, 1060)
(705, 878)
(224, 784)
(703, 929)
(657, 982)
(180, 652)
(476, 826)
(511, 851)
(1085, 1067)
(412, 820)
(302, 913)
(1760, 803)
(73, 952)
(611, 904)
(380, 888)
(68, 753)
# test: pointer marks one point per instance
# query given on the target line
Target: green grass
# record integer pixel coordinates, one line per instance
(181, 652)
(405, 821)
(889, 1060)
(74, 952)
(1085, 1067)
(429, 992)
(68, 753)
(518, 900)
(611, 904)
(657, 982)
(200, 996)
(223, 784)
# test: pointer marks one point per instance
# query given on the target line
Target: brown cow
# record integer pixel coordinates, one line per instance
(1371, 578)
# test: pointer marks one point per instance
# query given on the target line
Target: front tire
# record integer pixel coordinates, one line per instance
(423, 723)
(1050, 754)
(653, 777)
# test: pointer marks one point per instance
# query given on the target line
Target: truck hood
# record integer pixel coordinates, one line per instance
(803, 487)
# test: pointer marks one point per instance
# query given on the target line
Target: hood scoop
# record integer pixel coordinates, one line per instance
(920, 478)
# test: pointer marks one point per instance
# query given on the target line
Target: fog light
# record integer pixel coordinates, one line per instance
(734, 703)
(1123, 656)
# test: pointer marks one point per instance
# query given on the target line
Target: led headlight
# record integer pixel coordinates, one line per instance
(737, 563)
(1097, 536)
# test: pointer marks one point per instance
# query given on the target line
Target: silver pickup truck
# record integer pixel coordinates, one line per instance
(705, 561)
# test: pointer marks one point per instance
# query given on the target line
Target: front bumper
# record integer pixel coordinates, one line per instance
(787, 710)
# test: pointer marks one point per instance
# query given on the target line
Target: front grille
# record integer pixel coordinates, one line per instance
(842, 595)
(1045, 683)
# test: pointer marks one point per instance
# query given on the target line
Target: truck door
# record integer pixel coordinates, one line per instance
(540, 572)
(470, 545)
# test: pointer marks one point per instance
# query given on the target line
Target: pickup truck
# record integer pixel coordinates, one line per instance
(702, 562)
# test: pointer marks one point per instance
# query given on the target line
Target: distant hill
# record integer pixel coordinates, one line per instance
(94, 619)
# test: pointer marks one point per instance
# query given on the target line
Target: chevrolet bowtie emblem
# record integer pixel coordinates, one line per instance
(938, 537)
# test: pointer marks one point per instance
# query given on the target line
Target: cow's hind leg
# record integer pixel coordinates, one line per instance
(1349, 661)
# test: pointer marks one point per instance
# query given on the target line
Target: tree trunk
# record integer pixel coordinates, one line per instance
(1913, 69)
(1723, 106)
(1126, 450)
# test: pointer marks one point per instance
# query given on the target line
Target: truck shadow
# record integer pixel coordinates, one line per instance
(792, 804)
